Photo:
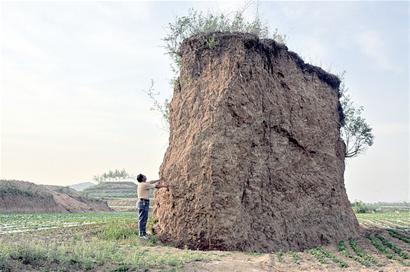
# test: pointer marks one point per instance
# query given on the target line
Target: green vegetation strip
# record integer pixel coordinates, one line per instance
(318, 254)
(10, 223)
(343, 250)
(392, 246)
(295, 257)
(398, 235)
(380, 247)
(279, 254)
(359, 252)
(385, 250)
(116, 247)
(321, 254)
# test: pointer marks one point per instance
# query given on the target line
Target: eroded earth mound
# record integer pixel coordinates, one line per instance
(255, 160)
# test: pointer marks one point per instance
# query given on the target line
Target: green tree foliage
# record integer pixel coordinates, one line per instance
(361, 207)
(356, 132)
(197, 22)
(112, 176)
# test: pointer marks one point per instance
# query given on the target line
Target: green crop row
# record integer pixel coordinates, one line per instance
(359, 252)
(392, 246)
(399, 236)
(343, 250)
(379, 246)
(295, 257)
(279, 254)
(320, 253)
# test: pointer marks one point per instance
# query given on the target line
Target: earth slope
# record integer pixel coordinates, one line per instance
(22, 196)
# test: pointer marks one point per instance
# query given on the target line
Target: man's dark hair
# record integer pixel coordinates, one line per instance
(140, 177)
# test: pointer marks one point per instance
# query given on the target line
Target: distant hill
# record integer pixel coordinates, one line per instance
(111, 190)
(22, 196)
(81, 186)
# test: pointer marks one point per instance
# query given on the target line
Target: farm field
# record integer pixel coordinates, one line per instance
(14, 223)
(108, 242)
(398, 220)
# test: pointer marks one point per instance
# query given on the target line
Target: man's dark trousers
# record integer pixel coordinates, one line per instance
(143, 207)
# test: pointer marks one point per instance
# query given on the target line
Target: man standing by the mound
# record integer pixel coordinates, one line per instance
(143, 201)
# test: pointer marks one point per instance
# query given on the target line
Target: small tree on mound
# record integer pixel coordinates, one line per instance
(356, 132)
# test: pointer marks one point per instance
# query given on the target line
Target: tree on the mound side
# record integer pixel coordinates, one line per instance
(355, 131)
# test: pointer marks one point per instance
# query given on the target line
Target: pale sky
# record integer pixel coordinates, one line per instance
(72, 76)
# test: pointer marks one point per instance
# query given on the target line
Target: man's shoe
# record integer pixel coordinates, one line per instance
(145, 237)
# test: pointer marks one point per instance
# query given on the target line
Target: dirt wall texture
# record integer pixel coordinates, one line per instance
(255, 160)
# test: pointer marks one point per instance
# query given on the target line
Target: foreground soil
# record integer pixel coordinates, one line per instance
(300, 261)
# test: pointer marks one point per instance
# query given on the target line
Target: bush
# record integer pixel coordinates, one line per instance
(197, 22)
(29, 255)
(361, 207)
(4, 263)
(117, 232)
(151, 223)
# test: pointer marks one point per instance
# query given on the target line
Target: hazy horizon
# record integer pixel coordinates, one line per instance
(73, 75)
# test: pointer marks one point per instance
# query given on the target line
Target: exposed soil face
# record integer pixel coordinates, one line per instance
(255, 159)
(21, 196)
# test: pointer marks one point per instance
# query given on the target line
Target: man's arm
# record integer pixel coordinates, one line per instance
(154, 181)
